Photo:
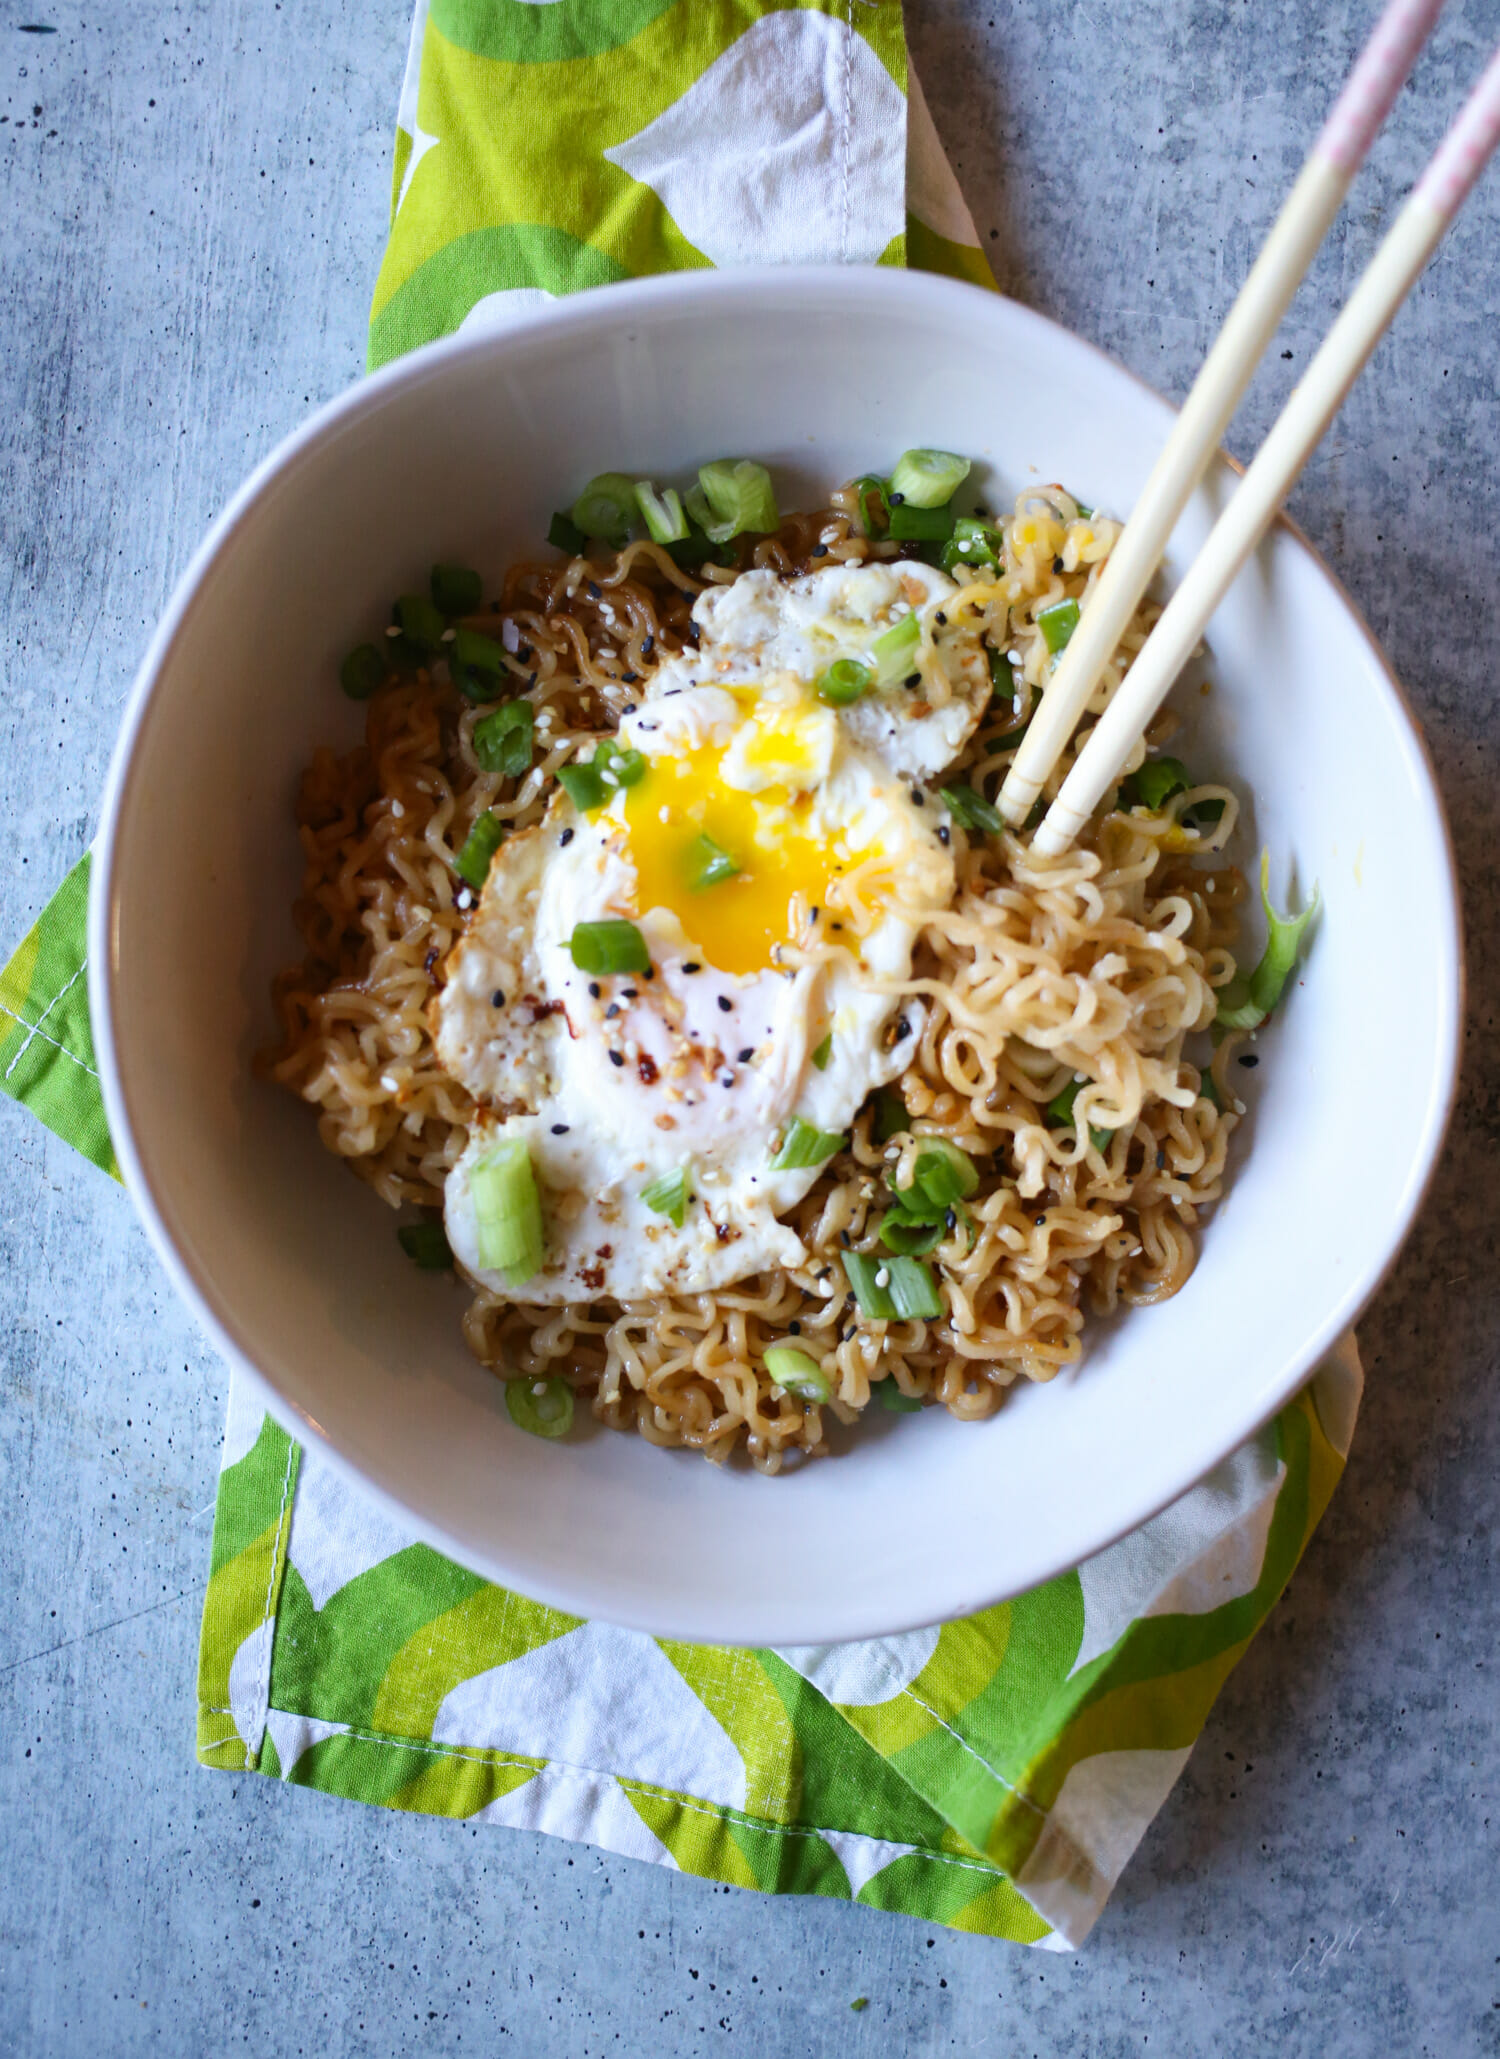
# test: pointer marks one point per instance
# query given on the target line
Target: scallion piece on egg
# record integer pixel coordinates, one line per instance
(928, 478)
(565, 535)
(480, 845)
(426, 1245)
(971, 809)
(606, 508)
(823, 1053)
(609, 947)
(1057, 624)
(503, 741)
(803, 1145)
(798, 1372)
(663, 513)
(362, 671)
(670, 1195)
(1249, 998)
(709, 864)
(456, 590)
(542, 1408)
(740, 499)
(895, 649)
(843, 682)
(507, 1211)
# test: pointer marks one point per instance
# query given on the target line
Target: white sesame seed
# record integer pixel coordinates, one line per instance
(389, 1081)
(510, 636)
(463, 899)
(397, 810)
(449, 635)
(883, 1277)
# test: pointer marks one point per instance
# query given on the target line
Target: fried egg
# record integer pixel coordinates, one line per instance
(773, 989)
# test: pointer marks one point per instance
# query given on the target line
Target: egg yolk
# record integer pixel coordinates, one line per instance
(733, 921)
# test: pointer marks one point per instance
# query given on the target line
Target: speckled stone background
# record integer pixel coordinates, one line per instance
(194, 198)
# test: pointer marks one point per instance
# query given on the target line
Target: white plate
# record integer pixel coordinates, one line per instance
(463, 450)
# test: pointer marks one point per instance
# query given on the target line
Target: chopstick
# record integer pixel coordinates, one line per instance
(1299, 229)
(1315, 400)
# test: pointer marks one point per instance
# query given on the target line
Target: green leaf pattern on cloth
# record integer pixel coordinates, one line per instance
(993, 1774)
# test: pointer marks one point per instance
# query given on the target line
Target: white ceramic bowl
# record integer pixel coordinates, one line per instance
(463, 450)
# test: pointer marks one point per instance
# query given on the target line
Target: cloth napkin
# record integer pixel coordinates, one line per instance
(994, 1774)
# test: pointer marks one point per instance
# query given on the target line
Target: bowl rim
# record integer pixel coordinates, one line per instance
(613, 306)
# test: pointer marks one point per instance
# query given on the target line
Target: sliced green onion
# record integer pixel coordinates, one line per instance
(565, 535)
(455, 589)
(1057, 624)
(803, 1145)
(697, 546)
(662, 512)
(362, 671)
(891, 1397)
(1060, 1111)
(476, 664)
(609, 947)
(1208, 1089)
(823, 1053)
(740, 497)
(606, 508)
(797, 1372)
(709, 864)
(908, 1234)
(670, 1195)
(617, 765)
(891, 1288)
(890, 1115)
(911, 524)
(928, 478)
(1202, 814)
(869, 498)
(480, 845)
(583, 787)
(1247, 1000)
(507, 1211)
(503, 741)
(1009, 685)
(426, 1245)
(1086, 512)
(420, 623)
(548, 1413)
(971, 809)
(943, 1172)
(895, 649)
(844, 681)
(972, 543)
(1153, 784)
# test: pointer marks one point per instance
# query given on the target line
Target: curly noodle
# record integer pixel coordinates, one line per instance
(1095, 968)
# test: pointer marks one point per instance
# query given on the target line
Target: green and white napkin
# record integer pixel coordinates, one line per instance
(994, 1774)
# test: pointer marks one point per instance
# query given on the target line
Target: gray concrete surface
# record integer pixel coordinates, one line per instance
(193, 205)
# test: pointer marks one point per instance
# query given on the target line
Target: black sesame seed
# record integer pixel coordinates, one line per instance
(844, 1238)
(630, 993)
(691, 633)
(1057, 564)
(617, 1057)
(594, 988)
(820, 550)
(726, 1079)
(941, 619)
(692, 966)
(648, 646)
(918, 798)
(611, 1011)
(592, 589)
(945, 835)
(559, 1129)
(726, 1006)
(950, 1221)
(912, 679)
(903, 1030)
(1250, 1059)
(497, 999)
(630, 679)
(525, 653)
(649, 973)
(795, 1328)
(746, 1055)
(895, 499)
(629, 707)
(1041, 1222)
(565, 839)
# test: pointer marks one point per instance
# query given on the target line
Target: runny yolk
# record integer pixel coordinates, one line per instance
(735, 923)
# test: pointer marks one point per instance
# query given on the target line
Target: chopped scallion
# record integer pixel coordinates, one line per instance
(907, 1288)
(907, 1234)
(870, 499)
(1057, 624)
(1060, 1111)
(426, 1245)
(565, 535)
(456, 590)
(890, 1115)
(1248, 999)
(420, 623)
(663, 513)
(891, 1397)
(670, 1195)
(503, 740)
(617, 765)
(1153, 784)
(476, 664)
(739, 497)
(507, 1211)
(844, 681)
(972, 544)
(480, 845)
(606, 508)
(927, 478)
(803, 1145)
(823, 1053)
(548, 1413)
(609, 947)
(943, 1172)
(971, 809)
(583, 787)
(709, 864)
(798, 1372)
(362, 671)
(912, 524)
(894, 650)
